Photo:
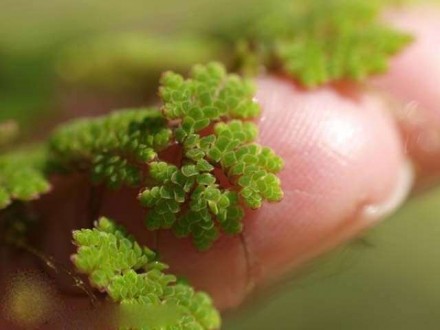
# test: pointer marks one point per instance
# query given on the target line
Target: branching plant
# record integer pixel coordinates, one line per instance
(205, 119)
(131, 275)
(323, 41)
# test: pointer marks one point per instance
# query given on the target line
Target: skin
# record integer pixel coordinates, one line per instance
(351, 158)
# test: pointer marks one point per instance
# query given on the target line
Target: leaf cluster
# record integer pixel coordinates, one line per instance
(219, 168)
(324, 41)
(114, 147)
(130, 274)
(204, 121)
(22, 176)
(210, 107)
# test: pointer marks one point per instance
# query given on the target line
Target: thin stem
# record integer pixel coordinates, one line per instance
(57, 267)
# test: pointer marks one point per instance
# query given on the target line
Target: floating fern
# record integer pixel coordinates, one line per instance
(114, 146)
(193, 192)
(205, 116)
(130, 274)
(324, 41)
(22, 176)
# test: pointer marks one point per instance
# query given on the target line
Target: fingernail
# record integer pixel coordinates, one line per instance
(375, 212)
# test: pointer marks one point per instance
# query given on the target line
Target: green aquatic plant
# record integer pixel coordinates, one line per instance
(323, 41)
(132, 275)
(22, 176)
(205, 119)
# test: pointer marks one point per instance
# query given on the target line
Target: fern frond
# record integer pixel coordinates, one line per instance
(208, 95)
(191, 199)
(205, 119)
(204, 116)
(130, 274)
(326, 40)
(115, 147)
(22, 176)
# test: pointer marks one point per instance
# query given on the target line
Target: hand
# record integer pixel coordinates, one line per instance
(351, 157)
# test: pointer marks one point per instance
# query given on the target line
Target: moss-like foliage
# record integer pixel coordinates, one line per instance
(22, 176)
(130, 274)
(323, 41)
(190, 199)
(115, 147)
(218, 168)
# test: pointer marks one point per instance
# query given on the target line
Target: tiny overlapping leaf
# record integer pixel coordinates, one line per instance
(249, 165)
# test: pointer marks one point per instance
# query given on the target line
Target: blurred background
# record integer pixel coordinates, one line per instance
(60, 59)
(68, 58)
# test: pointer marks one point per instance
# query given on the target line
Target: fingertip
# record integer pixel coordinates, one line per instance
(343, 155)
(342, 158)
(412, 82)
(222, 271)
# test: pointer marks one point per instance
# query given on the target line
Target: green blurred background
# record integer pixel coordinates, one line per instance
(389, 280)
(50, 48)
